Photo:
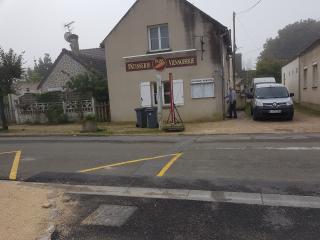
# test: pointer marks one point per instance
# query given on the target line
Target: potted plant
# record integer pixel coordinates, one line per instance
(89, 123)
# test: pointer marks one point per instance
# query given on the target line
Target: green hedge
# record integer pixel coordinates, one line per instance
(56, 115)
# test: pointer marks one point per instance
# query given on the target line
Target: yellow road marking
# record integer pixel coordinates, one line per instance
(124, 163)
(15, 166)
(3, 153)
(169, 164)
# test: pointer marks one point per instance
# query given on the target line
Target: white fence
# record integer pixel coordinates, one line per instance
(37, 112)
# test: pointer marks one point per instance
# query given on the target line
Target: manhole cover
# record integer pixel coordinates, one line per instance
(110, 215)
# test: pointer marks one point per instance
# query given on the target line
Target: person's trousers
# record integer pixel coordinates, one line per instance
(233, 110)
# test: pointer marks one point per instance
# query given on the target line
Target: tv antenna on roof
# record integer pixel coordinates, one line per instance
(68, 26)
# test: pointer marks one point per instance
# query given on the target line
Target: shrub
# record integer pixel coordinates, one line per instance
(49, 97)
(90, 117)
(56, 115)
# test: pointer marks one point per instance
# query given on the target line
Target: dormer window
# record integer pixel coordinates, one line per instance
(158, 38)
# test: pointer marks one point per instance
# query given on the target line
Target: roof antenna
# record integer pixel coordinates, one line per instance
(68, 27)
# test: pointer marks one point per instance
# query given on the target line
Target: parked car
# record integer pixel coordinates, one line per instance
(271, 100)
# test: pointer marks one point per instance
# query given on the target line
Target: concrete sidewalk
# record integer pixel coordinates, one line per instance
(302, 123)
(25, 211)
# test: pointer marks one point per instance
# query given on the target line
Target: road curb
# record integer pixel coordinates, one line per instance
(262, 199)
(263, 137)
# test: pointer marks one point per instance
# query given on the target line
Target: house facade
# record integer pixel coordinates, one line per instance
(158, 37)
(70, 64)
(301, 76)
(290, 78)
(309, 76)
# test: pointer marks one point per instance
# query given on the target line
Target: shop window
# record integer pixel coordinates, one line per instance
(202, 88)
(158, 37)
(154, 89)
(166, 92)
(315, 75)
(305, 78)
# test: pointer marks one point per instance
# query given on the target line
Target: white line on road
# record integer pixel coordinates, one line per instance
(273, 148)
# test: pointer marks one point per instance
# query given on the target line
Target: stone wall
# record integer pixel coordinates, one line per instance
(65, 69)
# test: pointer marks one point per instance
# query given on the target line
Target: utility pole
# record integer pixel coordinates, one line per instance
(234, 52)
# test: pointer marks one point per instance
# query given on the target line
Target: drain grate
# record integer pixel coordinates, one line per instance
(110, 215)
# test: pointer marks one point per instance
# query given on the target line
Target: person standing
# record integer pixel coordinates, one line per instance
(232, 99)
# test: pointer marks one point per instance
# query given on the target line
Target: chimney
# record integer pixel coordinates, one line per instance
(74, 43)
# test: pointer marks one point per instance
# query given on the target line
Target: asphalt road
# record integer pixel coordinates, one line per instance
(251, 162)
(172, 219)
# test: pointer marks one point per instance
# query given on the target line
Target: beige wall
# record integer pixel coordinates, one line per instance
(130, 38)
(290, 78)
(310, 94)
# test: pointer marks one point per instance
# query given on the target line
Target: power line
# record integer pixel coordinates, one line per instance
(246, 32)
(250, 8)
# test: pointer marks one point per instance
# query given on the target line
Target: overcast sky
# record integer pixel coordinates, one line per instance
(37, 26)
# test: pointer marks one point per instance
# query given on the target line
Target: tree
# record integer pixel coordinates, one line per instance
(10, 71)
(40, 69)
(291, 40)
(270, 68)
(91, 83)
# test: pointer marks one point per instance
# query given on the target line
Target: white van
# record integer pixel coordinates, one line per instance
(271, 100)
(263, 80)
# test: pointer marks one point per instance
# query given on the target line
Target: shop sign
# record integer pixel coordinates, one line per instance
(160, 63)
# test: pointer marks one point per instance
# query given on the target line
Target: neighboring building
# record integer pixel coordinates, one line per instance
(70, 64)
(309, 76)
(158, 37)
(290, 78)
(301, 76)
(22, 88)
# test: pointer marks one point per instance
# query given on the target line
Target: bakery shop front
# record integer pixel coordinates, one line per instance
(151, 42)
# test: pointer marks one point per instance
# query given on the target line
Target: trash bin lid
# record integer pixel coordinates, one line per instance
(151, 109)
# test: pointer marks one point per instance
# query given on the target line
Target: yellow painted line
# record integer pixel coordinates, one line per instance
(169, 165)
(3, 153)
(15, 166)
(124, 163)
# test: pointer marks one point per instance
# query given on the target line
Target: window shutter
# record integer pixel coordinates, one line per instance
(178, 92)
(145, 93)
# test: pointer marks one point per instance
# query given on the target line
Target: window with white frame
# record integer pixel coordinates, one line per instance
(149, 93)
(305, 78)
(202, 88)
(158, 37)
(315, 75)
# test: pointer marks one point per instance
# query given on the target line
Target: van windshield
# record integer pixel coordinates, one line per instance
(271, 92)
